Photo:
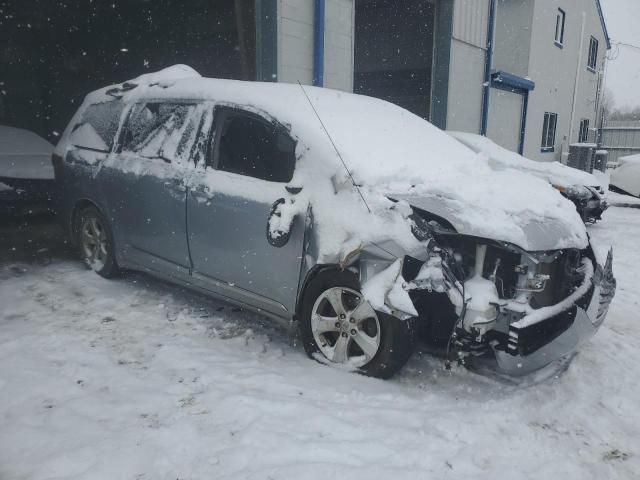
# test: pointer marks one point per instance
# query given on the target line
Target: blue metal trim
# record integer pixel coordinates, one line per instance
(512, 81)
(318, 43)
(488, 65)
(523, 122)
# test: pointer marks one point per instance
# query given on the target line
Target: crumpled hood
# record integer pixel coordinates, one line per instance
(528, 230)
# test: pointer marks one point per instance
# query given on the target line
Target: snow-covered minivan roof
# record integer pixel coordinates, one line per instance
(388, 150)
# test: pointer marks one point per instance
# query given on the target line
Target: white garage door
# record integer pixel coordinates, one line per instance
(505, 118)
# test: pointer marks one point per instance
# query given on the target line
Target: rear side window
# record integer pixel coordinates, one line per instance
(162, 130)
(248, 145)
(98, 126)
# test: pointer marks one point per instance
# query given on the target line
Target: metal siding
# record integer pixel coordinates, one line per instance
(295, 41)
(470, 21)
(621, 138)
(340, 23)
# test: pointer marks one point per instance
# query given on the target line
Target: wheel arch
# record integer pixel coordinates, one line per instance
(312, 275)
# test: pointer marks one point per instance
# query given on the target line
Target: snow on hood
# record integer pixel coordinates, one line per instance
(630, 159)
(24, 155)
(627, 176)
(389, 151)
(501, 158)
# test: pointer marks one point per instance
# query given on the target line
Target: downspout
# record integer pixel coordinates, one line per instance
(523, 122)
(575, 86)
(600, 95)
(318, 43)
(488, 65)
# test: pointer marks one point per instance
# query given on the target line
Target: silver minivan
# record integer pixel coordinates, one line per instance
(348, 215)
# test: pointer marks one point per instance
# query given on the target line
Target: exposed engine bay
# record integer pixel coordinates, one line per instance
(481, 298)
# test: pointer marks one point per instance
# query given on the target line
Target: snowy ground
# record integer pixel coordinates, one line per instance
(135, 379)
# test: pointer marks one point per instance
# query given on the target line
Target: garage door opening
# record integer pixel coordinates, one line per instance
(394, 52)
(53, 53)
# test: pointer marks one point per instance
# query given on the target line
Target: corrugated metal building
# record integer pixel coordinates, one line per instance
(620, 138)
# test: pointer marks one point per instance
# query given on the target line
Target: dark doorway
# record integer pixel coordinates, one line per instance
(394, 52)
(52, 53)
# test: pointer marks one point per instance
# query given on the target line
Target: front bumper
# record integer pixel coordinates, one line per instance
(535, 346)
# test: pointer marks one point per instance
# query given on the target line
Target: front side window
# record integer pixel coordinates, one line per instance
(97, 127)
(560, 19)
(593, 55)
(583, 136)
(161, 131)
(549, 131)
(248, 145)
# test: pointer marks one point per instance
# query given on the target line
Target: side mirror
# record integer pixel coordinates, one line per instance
(278, 231)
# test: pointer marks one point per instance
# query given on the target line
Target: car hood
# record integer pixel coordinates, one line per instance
(526, 229)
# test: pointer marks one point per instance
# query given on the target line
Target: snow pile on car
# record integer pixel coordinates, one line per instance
(500, 158)
(627, 176)
(24, 155)
(390, 152)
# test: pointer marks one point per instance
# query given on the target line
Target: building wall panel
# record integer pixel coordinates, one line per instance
(295, 41)
(470, 20)
(338, 44)
(466, 78)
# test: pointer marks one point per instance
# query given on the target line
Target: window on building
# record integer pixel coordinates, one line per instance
(560, 19)
(249, 145)
(583, 136)
(549, 131)
(593, 54)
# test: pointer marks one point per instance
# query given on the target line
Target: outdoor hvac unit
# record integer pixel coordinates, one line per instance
(600, 160)
(581, 156)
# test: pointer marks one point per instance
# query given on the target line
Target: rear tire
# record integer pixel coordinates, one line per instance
(95, 242)
(329, 338)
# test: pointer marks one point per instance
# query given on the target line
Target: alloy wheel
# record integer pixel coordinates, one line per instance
(94, 243)
(345, 327)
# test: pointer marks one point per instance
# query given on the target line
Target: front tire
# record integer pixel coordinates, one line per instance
(339, 325)
(95, 242)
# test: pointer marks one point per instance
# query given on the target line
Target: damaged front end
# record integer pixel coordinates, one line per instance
(589, 201)
(489, 301)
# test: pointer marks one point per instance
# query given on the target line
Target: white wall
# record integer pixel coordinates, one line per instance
(553, 70)
(338, 44)
(466, 68)
(505, 115)
(513, 36)
(296, 42)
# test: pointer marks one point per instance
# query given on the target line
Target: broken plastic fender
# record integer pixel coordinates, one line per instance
(386, 293)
